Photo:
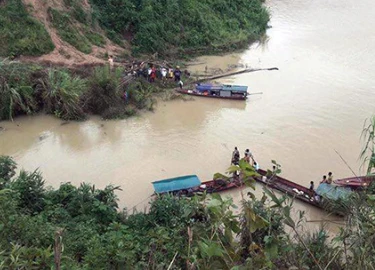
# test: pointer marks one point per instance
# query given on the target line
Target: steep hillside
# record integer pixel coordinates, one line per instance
(86, 31)
(57, 31)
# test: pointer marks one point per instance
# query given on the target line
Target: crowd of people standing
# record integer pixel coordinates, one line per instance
(152, 72)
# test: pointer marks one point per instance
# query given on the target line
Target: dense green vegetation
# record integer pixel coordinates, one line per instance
(82, 228)
(171, 27)
(27, 89)
(20, 34)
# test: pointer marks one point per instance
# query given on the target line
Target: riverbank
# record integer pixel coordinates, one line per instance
(81, 227)
(112, 93)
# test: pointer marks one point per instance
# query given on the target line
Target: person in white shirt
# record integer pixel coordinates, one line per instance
(163, 73)
(110, 62)
(180, 83)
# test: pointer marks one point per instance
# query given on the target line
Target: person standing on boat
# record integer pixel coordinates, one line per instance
(324, 180)
(311, 188)
(256, 166)
(235, 156)
(247, 158)
(251, 157)
(330, 178)
(177, 74)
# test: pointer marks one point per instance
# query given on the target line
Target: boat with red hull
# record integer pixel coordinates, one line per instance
(355, 182)
(190, 185)
(283, 185)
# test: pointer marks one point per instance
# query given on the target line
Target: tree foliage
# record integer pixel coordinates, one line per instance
(175, 26)
(201, 232)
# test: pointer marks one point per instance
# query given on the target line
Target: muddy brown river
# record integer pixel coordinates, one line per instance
(315, 104)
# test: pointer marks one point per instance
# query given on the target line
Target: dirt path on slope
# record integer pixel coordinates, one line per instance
(64, 53)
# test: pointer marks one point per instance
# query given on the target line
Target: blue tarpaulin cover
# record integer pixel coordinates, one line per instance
(177, 183)
(333, 192)
(237, 88)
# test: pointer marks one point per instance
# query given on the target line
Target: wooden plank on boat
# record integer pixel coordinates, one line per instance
(247, 70)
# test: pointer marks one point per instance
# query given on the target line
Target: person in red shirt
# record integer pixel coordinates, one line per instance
(153, 74)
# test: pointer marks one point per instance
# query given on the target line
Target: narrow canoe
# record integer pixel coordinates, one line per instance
(283, 185)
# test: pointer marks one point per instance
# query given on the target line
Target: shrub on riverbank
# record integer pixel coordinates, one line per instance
(17, 90)
(27, 89)
(60, 94)
(83, 227)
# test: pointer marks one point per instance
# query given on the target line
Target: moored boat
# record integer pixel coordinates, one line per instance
(285, 186)
(355, 182)
(225, 91)
(190, 184)
(321, 197)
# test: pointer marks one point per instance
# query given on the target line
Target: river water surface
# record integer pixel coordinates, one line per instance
(315, 104)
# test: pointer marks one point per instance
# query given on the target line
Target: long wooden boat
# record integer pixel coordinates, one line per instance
(189, 185)
(283, 185)
(222, 91)
(355, 182)
(208, 95)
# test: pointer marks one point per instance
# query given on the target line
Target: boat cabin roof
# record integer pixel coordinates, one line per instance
(176, 183)
(221, 87)
(333, 192)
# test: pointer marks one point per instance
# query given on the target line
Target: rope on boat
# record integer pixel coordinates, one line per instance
(141, 202)
(346, 163)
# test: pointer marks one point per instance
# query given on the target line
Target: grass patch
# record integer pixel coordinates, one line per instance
(68, 32)
(21, 34)
(95, 38)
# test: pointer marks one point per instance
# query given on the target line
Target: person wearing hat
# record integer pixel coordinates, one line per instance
(177, 74)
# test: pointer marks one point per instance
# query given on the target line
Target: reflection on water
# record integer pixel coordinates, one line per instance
(315, 104)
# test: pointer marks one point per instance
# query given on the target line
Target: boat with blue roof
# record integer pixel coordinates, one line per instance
(222, 91)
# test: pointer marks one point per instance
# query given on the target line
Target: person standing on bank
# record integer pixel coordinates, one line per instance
(177, 74)
(110, 62)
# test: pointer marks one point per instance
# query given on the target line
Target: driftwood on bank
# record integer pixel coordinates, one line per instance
(247, 70)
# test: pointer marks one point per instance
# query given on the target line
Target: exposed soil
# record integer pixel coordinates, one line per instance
(64, 53)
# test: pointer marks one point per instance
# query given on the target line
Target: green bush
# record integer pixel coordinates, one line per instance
(105, 90)
(61, 94)
(16, 90)
(7, 170)
(30, 189)
(20, 34)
